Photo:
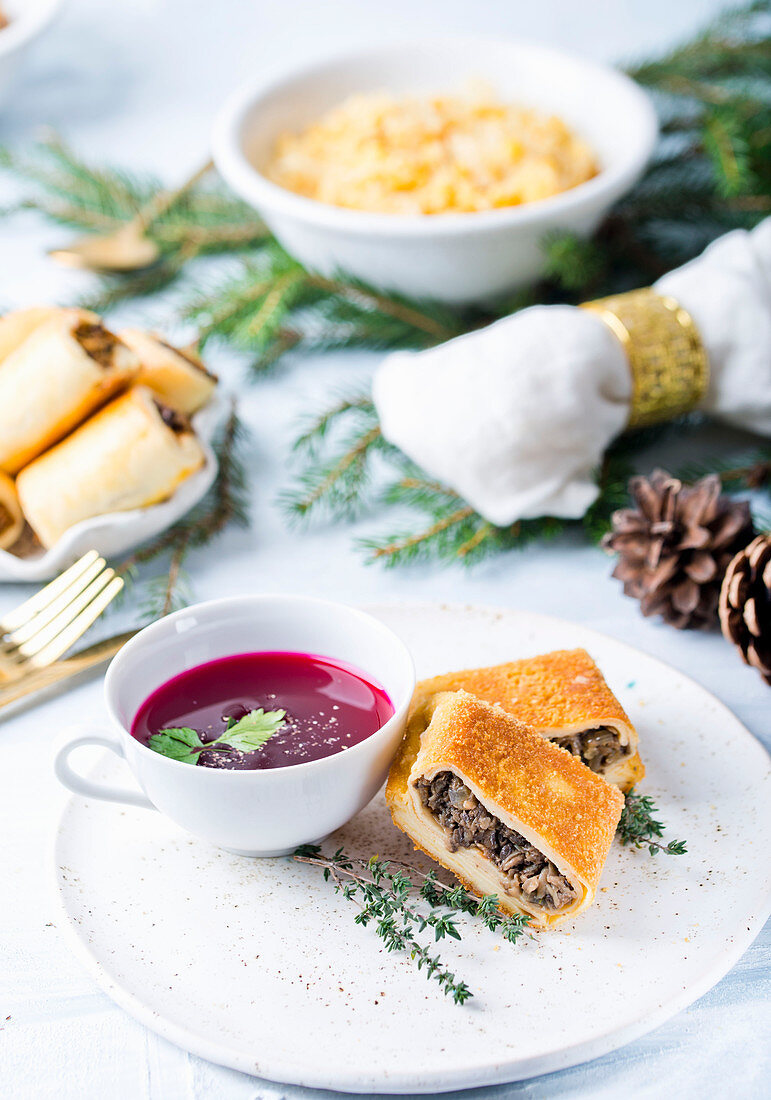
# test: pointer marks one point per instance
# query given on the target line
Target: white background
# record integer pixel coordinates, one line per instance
(138, 83)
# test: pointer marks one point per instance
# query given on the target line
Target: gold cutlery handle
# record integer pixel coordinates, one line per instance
(42, 678)
(164, 200)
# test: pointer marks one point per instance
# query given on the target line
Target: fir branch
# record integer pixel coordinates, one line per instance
(272, 304)
(338, 486)
(411, 547)
(726, 140)
(388, 893)
(573, 263)
(454, 532)
(613, 482)
(711, 173)
(66, 189)
(318, 426)
(639, 828)
(748, 471)
(356, 301)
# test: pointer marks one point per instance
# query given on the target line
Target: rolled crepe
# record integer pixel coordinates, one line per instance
(17, 326)
(178, 377)
(564, 697)
(131, 454)
(11, 518)
(507, 812)
(58, 376)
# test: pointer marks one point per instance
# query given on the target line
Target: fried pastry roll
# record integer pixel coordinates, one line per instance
(132, 453)
(563, 695)
(15, 327)
(62, 372)
(178, 377)
(507, 812)
(11, 518)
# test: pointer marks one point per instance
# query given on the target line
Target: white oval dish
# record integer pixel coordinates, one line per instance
(28, 19)
(454, 258)
(117, 532)
(252, 812)
(259, 966)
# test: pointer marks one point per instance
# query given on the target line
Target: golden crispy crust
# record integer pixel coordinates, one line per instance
(67, 368)
(556, 692)
(548, 692)
(180, 379)
(550, 791)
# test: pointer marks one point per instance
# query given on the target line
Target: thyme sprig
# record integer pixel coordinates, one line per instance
(389, 893)
(639, 828)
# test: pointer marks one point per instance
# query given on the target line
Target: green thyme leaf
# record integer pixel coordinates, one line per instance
(389, 893)
(639, 827)
(178, 744)
(253, 730)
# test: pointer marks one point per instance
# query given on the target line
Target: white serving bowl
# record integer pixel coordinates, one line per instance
(28, 19)
(454, 258)
(254, 813)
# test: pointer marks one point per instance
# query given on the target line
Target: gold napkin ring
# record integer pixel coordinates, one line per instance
(670, 369)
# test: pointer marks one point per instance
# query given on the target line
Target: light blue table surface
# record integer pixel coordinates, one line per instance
(138, 83)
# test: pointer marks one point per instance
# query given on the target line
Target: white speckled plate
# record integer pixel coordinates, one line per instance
(258, 965)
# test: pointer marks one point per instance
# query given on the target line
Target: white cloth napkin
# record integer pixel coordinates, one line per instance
(516, 417)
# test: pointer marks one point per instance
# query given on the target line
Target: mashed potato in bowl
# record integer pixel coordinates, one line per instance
(412, 154)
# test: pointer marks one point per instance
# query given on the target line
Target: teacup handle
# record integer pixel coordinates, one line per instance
(88, 787)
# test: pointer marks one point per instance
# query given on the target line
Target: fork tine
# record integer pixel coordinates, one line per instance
(66, 616)
(41, 599)
(78, 626)
(49, 612)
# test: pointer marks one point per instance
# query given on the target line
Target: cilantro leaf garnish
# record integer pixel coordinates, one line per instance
(254, 729)
(177, 744)
(247, 734)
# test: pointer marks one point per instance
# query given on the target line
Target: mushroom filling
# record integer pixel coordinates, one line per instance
(190, 358)
(173, 419)
(526, 871)
(599, 748)
(97, 342)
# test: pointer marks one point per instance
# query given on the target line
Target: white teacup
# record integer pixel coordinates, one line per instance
(262, 812)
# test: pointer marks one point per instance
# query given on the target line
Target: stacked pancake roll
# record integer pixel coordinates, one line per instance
(91, 422)
(512, 777)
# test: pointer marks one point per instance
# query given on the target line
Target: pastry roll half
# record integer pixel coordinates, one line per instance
(67, 367)
(563, 695)
(132, 453)
(15, 327)
(178, 377)
(506, 812)
(11, 518)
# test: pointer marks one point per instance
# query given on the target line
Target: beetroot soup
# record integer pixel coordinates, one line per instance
(313, 707)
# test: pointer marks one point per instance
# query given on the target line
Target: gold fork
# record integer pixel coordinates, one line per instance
(127, 248)
(44, 627)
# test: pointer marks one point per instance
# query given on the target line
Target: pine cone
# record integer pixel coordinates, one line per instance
(745, 604)
(674, 548)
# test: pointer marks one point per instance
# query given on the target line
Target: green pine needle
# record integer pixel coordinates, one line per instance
(207, 220)
(711, 173)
